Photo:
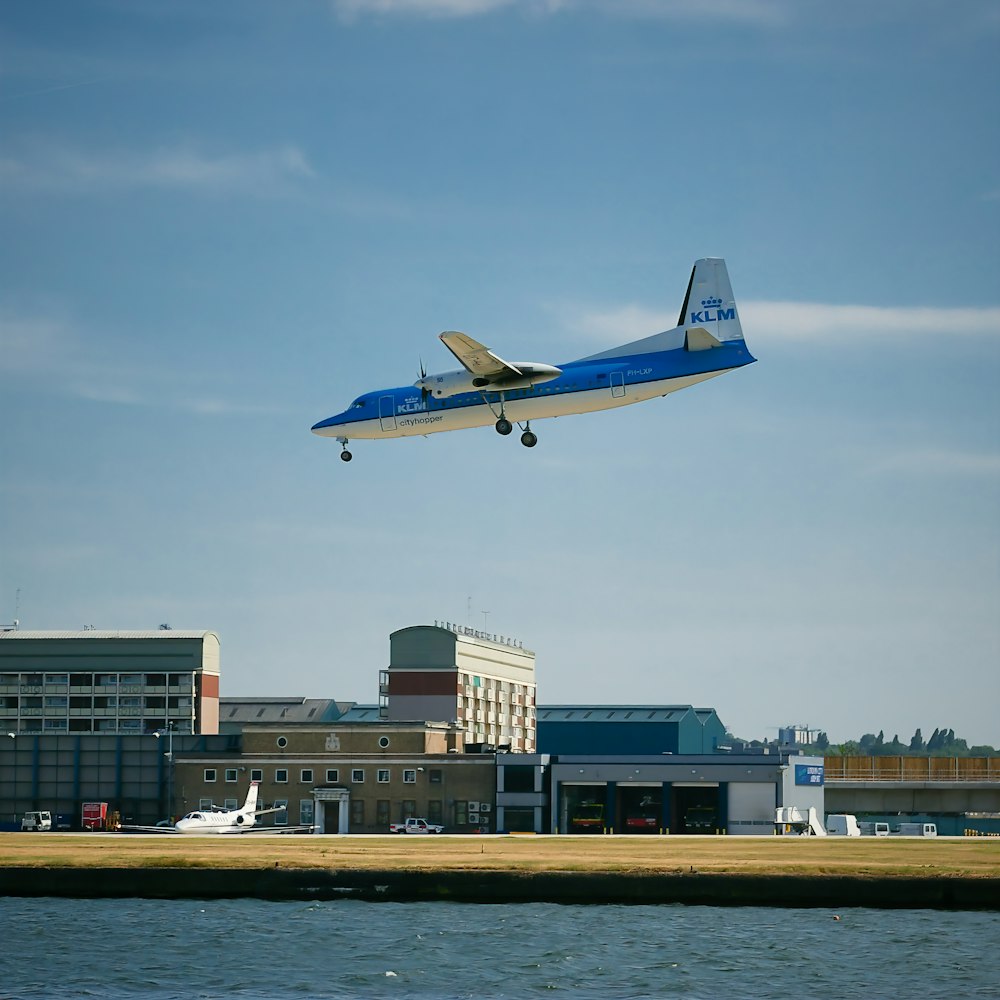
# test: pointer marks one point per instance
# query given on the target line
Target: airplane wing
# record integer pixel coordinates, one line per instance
(148, 829)
(243, 832)
(476, 358)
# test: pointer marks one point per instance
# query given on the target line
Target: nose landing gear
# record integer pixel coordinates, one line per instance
(345, 455)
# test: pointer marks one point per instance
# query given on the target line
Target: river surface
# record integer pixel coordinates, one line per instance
(248, 949)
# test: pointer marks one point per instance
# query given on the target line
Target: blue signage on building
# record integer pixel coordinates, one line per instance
(808, 774)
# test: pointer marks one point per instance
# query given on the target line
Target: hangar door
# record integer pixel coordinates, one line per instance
(694, 808)
(751, 807)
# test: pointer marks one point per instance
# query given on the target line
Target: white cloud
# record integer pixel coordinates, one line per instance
(747, 11)
(262, 173)
(350, 10)
(52, 354)
(939, 462)
(815, 321)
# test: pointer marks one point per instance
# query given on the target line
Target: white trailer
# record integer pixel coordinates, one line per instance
(842, 825)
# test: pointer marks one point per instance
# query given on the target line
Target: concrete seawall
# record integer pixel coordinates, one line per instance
(935, 892)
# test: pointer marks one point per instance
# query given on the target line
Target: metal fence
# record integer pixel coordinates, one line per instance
(911, 769)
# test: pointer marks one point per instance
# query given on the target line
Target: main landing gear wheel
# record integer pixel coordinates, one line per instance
(504, 426)
(528, 439)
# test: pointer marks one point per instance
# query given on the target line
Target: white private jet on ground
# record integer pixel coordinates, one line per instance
(707, 341)
(214, 820)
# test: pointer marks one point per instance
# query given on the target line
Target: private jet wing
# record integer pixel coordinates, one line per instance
(476, 358)
(127, 828)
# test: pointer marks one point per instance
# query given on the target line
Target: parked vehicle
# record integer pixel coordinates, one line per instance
(415, 825)
(918, 829)
(37, 821)
(95, 815)
(588, 817)
(640, 824)
(842, 825)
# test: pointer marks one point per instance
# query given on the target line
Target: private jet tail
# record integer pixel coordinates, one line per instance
(250, 806)
(708, 317)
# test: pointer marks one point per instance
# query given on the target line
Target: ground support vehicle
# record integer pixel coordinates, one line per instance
(37, 821)
(415, 825)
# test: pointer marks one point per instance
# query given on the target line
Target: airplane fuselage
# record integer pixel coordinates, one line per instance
(582, 387)
(216, 822)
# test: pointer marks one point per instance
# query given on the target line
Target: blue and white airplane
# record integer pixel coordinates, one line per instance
(707, 341)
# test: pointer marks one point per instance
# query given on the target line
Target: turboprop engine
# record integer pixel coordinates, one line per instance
(529, 373)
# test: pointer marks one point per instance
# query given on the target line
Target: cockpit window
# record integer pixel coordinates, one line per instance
(358, 404)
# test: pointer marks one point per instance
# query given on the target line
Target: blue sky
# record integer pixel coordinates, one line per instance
(221, 222)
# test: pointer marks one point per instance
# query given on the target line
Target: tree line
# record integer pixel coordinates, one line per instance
(941, 743)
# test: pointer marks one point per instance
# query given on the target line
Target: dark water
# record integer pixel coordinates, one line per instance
(251, 949)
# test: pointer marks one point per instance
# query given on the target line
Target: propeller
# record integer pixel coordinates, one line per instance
(424, 391)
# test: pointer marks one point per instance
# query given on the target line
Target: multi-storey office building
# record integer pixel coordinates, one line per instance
(109, 682)
(483, 682)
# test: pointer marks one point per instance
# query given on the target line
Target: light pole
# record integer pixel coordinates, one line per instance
(13, 784)
(170, 766)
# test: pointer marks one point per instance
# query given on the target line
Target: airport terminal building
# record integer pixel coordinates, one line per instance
(134, 718)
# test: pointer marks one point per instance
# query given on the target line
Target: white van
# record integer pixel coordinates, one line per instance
(918, 829)
(37, 821)
(842, 825)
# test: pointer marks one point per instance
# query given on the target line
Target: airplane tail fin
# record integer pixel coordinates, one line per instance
(709, 306)
(708, 317)
(250, 805)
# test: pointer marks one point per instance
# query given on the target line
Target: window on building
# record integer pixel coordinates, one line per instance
(382, 813)
(204, 804)
(332, 775)
(357, 813)
(358, 776)
(209, 774)
(518, 778)
(435, 813)
(281, 817)
(434, 776)
(306, 812)
(256, 774)
(281, 775)
(408, 808)
(306, 776)
(230, 774)
(230, 804)
(382, 775)
(461, 813)
(409, 776)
